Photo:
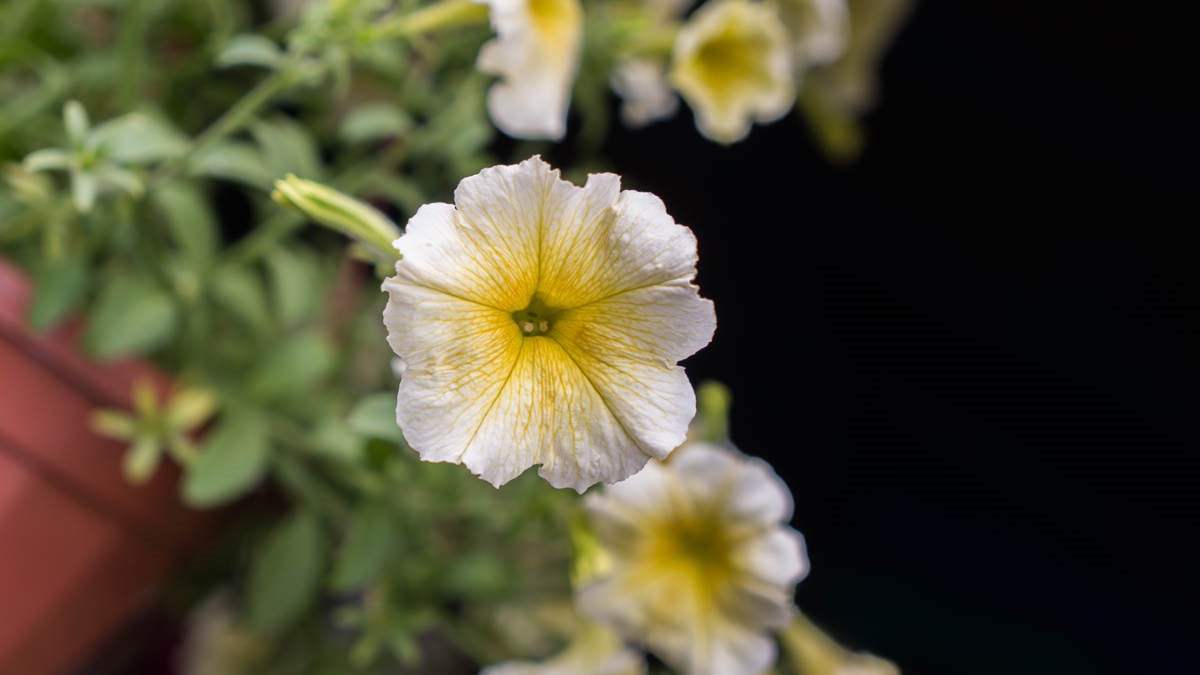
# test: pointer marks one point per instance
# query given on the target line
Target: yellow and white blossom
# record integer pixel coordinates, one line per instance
(542, 323)
(594, 650)
(697, 561)
(731, 62)
(536, 53)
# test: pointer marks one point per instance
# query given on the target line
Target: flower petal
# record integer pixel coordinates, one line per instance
(479, 261)
(458, 355)
(732, 649)
(769, 567)
(548, 413)
(602, 243)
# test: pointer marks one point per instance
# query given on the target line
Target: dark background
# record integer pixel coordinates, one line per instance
(972, 353)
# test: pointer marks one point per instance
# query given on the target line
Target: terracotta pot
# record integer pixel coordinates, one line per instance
(82, 551)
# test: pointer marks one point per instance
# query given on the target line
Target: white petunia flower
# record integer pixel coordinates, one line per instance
(595, 650)
(819, 29)
(536, 53)
(646, 96)
(541, 323)
(731, 62)
(696, 560)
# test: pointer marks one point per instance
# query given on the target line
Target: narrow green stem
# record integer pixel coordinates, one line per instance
(233, 120)
(134, 22)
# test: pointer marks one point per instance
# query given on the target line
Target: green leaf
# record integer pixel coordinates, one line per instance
(132, 316)
(375, 416)
(83, 190)
(285, 574)
(234, 160)
(59, 285)
(287, 148)
(295, 284)
(249, 50)
(336, 441)
(374, 122)
(401, 190)
(370, 538)
(189, 220)
(137, 138)
(291, 368)
(239, 291)
(48, 159)
(75, 119)
(232, 461)
(123, 179)
(475, 574)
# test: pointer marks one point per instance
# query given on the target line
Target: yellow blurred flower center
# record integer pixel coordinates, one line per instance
(731, 60)
(536, 318)
(693, 549)
(555, 20)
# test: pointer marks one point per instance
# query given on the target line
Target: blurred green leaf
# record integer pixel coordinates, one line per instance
(239, 291)
(83, 189)
(234, 160)
(285, 574)
(75, 120)
(287, 148)
(136, 138)
(375, 416)
(232, 461)
(295, 284)
(123, 179)
(190, 221)
(249, 49)
(132, 316)
(370, 537)
(372, 122)
(59, 286)
(291, 368)
(475, 574)
(399, 189)
(337, 441)
(47, 159)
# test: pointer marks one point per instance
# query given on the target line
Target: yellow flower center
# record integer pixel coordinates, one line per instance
(536, 318)
(731, 60)
(554, 20)
(694, 550)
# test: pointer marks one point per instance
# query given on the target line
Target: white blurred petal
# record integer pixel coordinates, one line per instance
(646, 95)
(536, 54)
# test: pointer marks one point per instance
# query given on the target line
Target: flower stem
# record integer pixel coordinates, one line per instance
(241, 113)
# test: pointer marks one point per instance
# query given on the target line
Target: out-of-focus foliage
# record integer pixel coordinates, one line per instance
(141, 141)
